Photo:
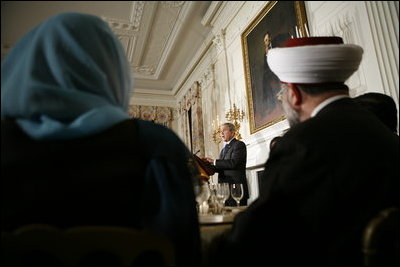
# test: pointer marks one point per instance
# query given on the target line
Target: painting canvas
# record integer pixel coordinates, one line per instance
(277, 22)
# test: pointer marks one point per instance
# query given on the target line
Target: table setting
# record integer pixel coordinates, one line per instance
(211, 199)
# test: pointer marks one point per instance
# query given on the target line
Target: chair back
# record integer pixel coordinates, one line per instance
(380, 244)
(45, 245)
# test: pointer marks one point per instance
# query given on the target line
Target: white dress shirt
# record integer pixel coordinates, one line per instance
(225, 144)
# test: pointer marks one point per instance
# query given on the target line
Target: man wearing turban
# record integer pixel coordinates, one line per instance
(331, 173)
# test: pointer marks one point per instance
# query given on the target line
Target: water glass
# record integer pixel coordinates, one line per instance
(237, 192)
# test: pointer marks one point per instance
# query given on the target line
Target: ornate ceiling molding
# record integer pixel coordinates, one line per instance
(127, 27)
(144, 70)
(149, 49)
(159, 37)
(211, 12)
(172, 4)
(137, 13)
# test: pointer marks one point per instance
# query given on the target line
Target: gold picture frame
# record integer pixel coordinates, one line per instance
(277, 22)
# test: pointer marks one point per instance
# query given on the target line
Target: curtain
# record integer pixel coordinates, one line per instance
(191, 102)
(161, 115)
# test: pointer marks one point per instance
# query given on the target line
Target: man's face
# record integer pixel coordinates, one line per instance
(291, 114)
(267, 39)
(226, 134)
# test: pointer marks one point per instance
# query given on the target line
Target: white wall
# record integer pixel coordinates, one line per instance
(372, 25)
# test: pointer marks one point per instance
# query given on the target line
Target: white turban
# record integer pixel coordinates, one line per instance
(312, 62)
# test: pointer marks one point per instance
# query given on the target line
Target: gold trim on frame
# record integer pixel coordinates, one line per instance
(301, 22)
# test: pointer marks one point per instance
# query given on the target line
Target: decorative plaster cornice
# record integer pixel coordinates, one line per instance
(121, 27)
(229, 9)
(172, 4)
(187, 78)
(211, 12)
(183, 14)
(220, 21)
(207, 77)
(219, 41)
(127, 27)
(155, 64)
(137, 13)
(138, 98)
(144, 70)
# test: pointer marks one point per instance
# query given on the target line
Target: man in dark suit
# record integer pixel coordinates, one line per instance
(333, 171)
(231, 165)
(383, 106)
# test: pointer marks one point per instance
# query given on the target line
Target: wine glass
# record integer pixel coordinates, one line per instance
(222, 194)
(213, 202)
(202, 195)
(237, 192)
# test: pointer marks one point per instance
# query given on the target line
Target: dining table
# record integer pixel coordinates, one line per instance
(214, 225)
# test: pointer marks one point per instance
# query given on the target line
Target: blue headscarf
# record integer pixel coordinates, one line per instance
(67, 78)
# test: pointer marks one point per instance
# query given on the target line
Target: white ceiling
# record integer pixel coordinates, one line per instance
(160, 37)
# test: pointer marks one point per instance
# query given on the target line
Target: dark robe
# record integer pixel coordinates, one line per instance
(324, 181)
(134, 175)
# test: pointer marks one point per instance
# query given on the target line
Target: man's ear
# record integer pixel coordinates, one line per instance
(294, 94)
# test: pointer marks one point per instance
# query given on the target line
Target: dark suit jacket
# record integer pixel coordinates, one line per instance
(132, 175)
(325, 180)
(231, 168)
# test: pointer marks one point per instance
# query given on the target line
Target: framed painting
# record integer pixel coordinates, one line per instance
(277, 22)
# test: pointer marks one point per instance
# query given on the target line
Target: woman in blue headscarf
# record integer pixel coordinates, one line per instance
(71, 155)
(67, 78)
